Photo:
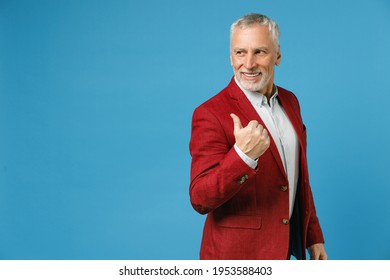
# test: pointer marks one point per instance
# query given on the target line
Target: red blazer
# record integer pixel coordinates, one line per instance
(248, 210)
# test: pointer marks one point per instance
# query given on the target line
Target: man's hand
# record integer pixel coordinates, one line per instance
(253, 139)
(317, 252)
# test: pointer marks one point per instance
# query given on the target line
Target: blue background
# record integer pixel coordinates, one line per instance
(96, 99)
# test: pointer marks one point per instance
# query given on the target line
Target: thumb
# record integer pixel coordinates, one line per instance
(236, 122)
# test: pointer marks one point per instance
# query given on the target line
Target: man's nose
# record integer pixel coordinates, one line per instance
(250, 61)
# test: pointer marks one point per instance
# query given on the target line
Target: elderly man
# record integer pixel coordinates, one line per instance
(249, 171)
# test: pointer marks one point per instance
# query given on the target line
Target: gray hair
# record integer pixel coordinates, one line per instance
(251, 19)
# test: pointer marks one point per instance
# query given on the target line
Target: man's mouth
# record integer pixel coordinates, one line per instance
(251, 75)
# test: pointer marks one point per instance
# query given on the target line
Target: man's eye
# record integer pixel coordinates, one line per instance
(239, 53)
(260, 52)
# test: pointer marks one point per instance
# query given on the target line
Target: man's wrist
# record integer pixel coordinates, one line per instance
(252, 163)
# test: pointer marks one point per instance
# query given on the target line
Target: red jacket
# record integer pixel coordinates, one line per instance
(248, 210)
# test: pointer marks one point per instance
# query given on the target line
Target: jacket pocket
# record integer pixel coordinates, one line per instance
(240, 222)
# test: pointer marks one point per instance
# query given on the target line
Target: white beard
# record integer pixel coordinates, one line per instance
(255, 86)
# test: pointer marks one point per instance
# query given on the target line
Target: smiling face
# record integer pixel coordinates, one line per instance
(253, 55)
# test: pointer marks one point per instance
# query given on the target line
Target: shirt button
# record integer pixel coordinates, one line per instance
(285, 221)
(283, 188)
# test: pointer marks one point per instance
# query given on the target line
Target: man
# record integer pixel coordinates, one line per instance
(249, 170)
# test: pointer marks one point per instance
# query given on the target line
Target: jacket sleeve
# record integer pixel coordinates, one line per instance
(217, 171)
(314, 231)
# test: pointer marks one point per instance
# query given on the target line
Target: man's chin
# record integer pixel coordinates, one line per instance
(251, 86)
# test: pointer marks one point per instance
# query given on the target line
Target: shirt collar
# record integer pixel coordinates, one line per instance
(257, 98)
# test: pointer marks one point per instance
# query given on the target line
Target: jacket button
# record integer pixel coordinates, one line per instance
(243, 179)
(285, 221)
(283, 188)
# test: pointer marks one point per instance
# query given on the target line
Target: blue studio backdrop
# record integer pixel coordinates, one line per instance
(96, 99)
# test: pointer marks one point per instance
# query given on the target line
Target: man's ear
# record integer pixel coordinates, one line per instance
(278, 57)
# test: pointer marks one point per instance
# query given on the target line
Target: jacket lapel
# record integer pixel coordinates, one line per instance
(293, 114)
